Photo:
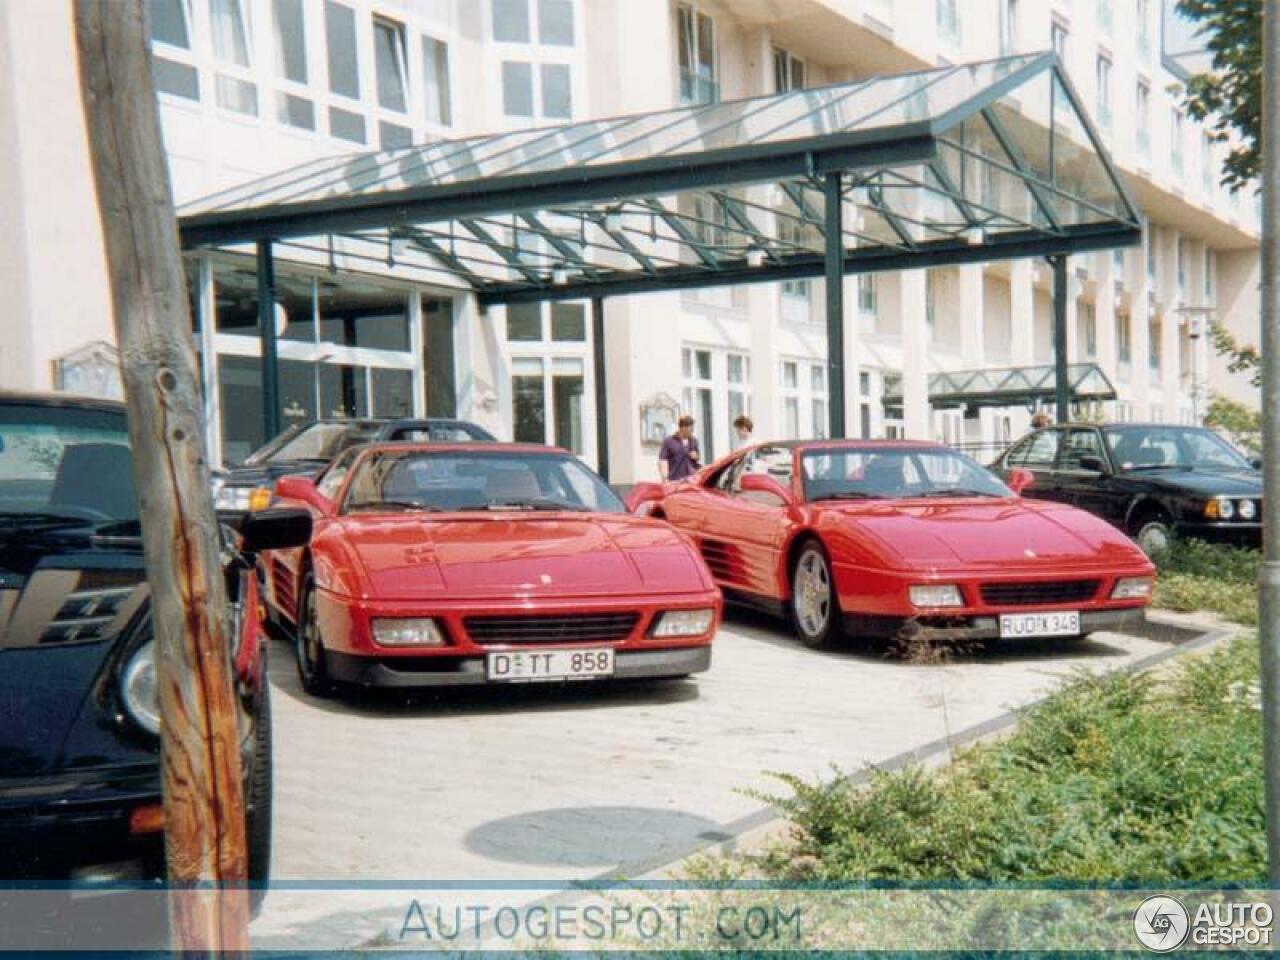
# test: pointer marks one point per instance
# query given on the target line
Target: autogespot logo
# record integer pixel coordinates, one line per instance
(1161, 923)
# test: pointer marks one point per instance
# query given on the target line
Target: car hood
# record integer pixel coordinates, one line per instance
(1203, 483)
(520, 555)
(55, 705)
(987, 533)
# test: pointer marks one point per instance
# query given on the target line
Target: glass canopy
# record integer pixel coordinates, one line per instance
(958, 164)
(1012, 386)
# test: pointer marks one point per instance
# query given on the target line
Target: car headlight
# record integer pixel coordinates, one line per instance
(936, 595)
(1248, 509)
(1132, 588)
(140, 689)
(682, 623)
(241, 499)
(411, 632)
(1219, 508)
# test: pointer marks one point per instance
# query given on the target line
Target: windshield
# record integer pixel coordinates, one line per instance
(1139, 448)
(393, 480)
(313, 441)
(64, 464)
(886, 473)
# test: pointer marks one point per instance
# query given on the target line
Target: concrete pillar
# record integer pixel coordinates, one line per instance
(915, 349)
(763, 308)
(1021, 313)
(1104, 309)
(972, 316)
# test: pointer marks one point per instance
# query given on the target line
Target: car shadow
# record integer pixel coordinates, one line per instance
(485, 700)
(777, 632)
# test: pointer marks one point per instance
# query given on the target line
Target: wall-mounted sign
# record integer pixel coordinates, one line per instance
(90, 371)
(658, 417)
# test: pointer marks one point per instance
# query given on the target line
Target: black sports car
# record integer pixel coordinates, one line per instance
(80, 784)
(306, 448)
(1154, 481)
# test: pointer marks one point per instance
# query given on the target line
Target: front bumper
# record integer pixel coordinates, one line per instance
(981, 626)
(1234, 532)
(465, 671)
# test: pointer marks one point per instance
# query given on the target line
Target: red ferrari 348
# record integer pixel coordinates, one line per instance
(877, 536)
(441, 565)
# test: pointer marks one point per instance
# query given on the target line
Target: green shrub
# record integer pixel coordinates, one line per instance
(1195, 575)
(1111, 779)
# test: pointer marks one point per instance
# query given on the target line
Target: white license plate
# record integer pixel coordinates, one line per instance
(1059, 623)
(532, 666)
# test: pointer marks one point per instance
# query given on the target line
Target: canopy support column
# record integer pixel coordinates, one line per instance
(833, 216)
(267, 333)
(1061, 371)
(602, 398)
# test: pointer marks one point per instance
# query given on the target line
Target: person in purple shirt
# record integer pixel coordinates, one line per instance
(679, 456)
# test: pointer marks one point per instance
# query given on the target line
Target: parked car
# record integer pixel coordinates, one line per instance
(80, 778)
(443, 565)
(882, 537)
(1153, 481)
(305, 448)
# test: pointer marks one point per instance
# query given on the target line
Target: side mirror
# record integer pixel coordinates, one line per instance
(1090, 462)
(1020, 480)
(763, 483)
(303, 489)
(277, 529)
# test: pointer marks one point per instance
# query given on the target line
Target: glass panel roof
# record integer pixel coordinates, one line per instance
(935, 164)
(1011, 386)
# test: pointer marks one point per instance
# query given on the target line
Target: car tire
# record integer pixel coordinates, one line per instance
(308, 645)
(814, 607)
(258, 804)
(1154, 534)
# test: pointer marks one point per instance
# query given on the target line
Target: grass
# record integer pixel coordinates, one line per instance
(1118, 778)
(1201, 576)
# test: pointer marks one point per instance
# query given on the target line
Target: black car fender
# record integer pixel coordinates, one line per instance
(1145, 501)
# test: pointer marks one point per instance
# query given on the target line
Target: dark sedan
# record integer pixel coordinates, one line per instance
(80, 790)
(1154, 481)
(306, 448)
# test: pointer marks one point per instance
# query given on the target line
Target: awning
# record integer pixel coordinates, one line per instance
(959, 164)
(1009, 387)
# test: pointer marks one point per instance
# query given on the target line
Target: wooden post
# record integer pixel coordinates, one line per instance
(203, 789)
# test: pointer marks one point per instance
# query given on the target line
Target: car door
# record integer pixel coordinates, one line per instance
(1036, 453)
(1079, 482)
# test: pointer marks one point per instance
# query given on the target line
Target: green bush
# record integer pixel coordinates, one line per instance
(1195, 575)
(1112, 779)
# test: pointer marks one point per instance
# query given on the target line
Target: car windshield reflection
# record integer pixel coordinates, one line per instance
(895, 473)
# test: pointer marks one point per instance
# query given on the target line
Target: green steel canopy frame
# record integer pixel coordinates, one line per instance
(945, 166)
(1012, 386)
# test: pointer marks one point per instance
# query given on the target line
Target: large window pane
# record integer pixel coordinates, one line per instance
(240, 398)
(557, 95)
(169, 23)
(297, 386)
(392, 393)
(343, 391)
(435, 68)
(528, 402)
(179, 79)
(346, 125)
(568, 322)
(344, 66)
(230, 39)
(295, 111)
(291, 40)
(511, 21)
(524, 321)
(392, 136)
(567, 386)
(236, 94)
(555, 22)
(389, 58)
(517, 89)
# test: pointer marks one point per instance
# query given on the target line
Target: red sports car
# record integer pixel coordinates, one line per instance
(878, 536)
(450, 564)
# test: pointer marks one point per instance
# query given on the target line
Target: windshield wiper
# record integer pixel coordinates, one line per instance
(848, 495)
(956, 492)
(395, 504)
(1156, 466)
(535, 503)
(43, 520)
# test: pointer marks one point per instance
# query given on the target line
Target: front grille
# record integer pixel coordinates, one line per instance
(85, 614)
(1045, 591)
(558, 628)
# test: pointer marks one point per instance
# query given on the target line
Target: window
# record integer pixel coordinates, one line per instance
(1103, 77)
(344, 70)
(511, 21)
(738, 374)
(1210, 264)
(1144, 29)
(568, 322)
(524, 322)
(528, 401)
(555, 22)
(947, 16)
(1176, 138)
(517, 89)
(788, 72)
(557, 98)
(868, 298)
(294, 108)
(931, 302)
(1206, 162)
(1182, 270)
(555, 86)
(1058, 35)
(1106, 16)
(389, 59)
(1078, 444)
(818, 400)
(1037, 451)
(1008, 27)
(790, 375)
(435, 74)
(171, 56)
(699, 398)
(697, 56)
(1124, 346)
(1155, 329)
(1089, 326)
(1142, 118)
(233, 84)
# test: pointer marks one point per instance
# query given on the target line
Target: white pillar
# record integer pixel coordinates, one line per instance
(972, 316)
(915, 347)
(416, 348)
(1022, 318)
(209, 361)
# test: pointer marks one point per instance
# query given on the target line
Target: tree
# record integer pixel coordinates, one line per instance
(1246, 358)
(1229, 97)
(1241, 423)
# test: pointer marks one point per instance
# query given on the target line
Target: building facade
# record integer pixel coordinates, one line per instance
(251, 87)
